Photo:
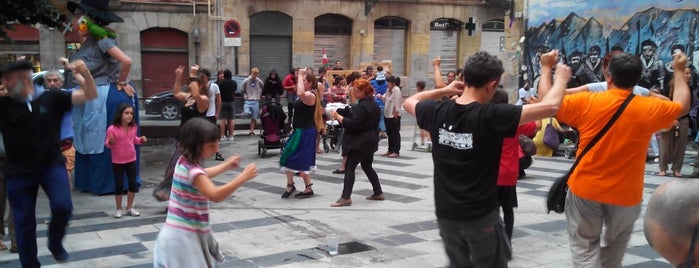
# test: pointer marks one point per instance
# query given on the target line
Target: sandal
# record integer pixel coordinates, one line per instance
(2, 246)
(662, 173)
(305, 194)
(319, 151)
(342, 203)
(677, 174)
(288, 193)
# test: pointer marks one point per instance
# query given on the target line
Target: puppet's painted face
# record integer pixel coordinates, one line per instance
(79, 24)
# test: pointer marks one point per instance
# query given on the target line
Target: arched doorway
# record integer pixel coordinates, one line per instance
(492, 32)
(162, 50)
(444, 42)
(332, 33)
(389, 42)
(270, 42)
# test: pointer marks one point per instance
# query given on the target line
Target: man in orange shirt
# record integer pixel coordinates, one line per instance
(607, 185)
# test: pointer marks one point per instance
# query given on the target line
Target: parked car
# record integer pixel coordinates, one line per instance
(168, 107)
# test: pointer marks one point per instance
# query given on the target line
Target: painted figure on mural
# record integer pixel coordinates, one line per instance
(575, 59)
(590, 71)
(653, 69)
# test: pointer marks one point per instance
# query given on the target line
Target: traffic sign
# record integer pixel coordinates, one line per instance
(231, 28)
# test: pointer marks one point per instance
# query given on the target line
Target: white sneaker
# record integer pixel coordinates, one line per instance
(656, 160)
(117, 214)
(223, 138)
(133, 212)
(230, 138)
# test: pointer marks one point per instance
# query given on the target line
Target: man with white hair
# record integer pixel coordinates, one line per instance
(53, 80)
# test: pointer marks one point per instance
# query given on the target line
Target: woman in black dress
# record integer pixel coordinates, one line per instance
(196, 102)
(361, 124)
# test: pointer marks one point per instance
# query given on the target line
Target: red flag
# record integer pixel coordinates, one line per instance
(325, 59)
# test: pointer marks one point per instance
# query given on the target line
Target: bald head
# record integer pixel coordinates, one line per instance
(671, 216)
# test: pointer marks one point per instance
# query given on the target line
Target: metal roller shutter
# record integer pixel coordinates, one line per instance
(445, 45)
(337, 47)
(270, 53)
(389, 44)
(490, 42)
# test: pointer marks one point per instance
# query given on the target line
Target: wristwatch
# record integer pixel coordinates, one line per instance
(122, 83)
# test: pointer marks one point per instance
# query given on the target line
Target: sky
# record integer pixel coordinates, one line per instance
(611, 13)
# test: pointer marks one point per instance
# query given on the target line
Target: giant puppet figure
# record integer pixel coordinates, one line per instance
(110, 68)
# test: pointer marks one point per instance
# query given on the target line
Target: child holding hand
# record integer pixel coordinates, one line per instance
(186, 239)
(121, 138)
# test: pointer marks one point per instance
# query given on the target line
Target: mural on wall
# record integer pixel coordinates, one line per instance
(585, 30)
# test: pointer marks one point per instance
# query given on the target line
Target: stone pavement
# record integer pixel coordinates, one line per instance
(258, 229)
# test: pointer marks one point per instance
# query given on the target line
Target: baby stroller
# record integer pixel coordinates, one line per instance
(272, 135)
(574, 138)
(333, 135)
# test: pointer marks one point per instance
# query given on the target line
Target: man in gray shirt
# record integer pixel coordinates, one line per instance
(252, 89)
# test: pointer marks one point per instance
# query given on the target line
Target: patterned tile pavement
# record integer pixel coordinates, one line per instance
(258, 229)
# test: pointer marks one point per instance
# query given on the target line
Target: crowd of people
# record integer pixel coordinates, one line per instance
(50, 131)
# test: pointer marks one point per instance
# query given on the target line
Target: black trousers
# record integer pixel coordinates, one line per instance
(119, 170)
(393, 133)
(366, 159)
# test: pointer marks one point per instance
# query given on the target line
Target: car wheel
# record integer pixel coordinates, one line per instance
(170, 111)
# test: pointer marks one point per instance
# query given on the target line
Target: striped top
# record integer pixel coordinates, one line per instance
(188, 208)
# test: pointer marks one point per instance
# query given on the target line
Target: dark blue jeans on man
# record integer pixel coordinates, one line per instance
(22, 192)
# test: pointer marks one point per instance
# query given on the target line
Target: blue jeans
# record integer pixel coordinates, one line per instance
(22, 191)
(382, 124)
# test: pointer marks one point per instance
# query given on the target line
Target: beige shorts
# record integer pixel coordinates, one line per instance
(70, 158)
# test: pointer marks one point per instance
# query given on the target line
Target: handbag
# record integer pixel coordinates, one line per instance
(556, 198)
(528, 146)
(551, 136)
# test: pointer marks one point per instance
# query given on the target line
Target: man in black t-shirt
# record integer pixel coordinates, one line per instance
(227, 87)
(31, 133)
(467, 135)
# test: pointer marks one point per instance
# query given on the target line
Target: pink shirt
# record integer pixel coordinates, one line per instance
(123, 149)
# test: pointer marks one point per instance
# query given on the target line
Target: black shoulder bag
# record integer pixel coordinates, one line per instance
(556, 199)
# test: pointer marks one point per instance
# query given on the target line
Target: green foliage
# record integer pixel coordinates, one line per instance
(26, 12)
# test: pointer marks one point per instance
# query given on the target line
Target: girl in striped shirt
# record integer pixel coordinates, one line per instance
(186, 240)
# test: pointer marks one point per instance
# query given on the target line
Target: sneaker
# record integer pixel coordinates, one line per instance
(230, 138)
(656, 160)
(133, 212)
(219, 157)
(223, 138)
(117, 214)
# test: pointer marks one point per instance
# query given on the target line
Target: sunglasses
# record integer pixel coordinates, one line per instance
(690, 256)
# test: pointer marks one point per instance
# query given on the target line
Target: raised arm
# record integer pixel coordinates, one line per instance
(177, 88)
(551, 100)
(548, 61)
(87, 88)
(204, 184)
(125, 61)
(438, 81)
(681, 93)
(455, 88)
(306, 97)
